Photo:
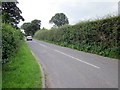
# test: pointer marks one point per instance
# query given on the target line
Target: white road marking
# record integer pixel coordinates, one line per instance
(41, 68)
(77, 59)
(70, 56)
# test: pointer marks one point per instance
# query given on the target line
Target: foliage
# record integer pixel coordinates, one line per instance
(31, 27)
(10, 41)
(27, 27)
(22, 70)
(11, 13)
(36, 23)
(59, 19)
(99, 36)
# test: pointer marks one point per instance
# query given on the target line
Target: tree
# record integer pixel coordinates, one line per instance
(31, 27)
(59, 19)
(35, 24)
(27, 28)
(11, 13)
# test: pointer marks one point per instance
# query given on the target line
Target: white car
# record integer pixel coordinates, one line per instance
(29, 38)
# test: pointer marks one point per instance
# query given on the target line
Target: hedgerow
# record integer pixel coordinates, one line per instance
(11, 38)
(100, 36)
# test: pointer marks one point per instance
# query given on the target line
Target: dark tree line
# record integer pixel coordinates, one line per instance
(31, 27)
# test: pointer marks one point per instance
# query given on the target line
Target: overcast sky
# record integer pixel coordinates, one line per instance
(75, 10)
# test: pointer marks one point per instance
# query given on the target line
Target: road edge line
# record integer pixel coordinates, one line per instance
(42, 72)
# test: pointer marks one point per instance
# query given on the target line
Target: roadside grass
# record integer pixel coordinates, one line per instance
(22, 70)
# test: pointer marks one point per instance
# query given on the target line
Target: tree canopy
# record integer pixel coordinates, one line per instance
(11, 13)
(31, 27)
(59, 19)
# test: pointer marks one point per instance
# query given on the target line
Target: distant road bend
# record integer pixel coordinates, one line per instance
(68, 68)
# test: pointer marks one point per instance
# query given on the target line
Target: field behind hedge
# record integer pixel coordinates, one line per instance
(99, 36)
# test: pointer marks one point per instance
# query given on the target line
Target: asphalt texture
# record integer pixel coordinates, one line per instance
(68, 68)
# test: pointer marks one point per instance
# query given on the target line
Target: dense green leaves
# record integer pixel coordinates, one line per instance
(27, 27)
(99, 36)
(31, 27)
(10, 41)
(11, 16)
(59, 19)
(11, 13)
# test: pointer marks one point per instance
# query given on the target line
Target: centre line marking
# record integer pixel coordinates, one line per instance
(76, 59)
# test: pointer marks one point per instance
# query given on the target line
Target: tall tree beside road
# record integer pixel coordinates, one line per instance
(59, 19)
(31, 27)
(11, 13)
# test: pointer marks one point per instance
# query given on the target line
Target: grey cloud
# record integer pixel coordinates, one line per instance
(78, 11)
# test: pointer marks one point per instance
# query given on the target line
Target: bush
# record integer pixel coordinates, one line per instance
(99, 36)
(10, 41)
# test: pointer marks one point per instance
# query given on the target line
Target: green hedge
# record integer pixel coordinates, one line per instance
(99, 36)
(10, 41)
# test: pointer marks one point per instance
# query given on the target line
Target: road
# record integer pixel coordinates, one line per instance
(68, 68)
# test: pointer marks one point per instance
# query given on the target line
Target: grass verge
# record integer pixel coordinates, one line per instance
(22, 70)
